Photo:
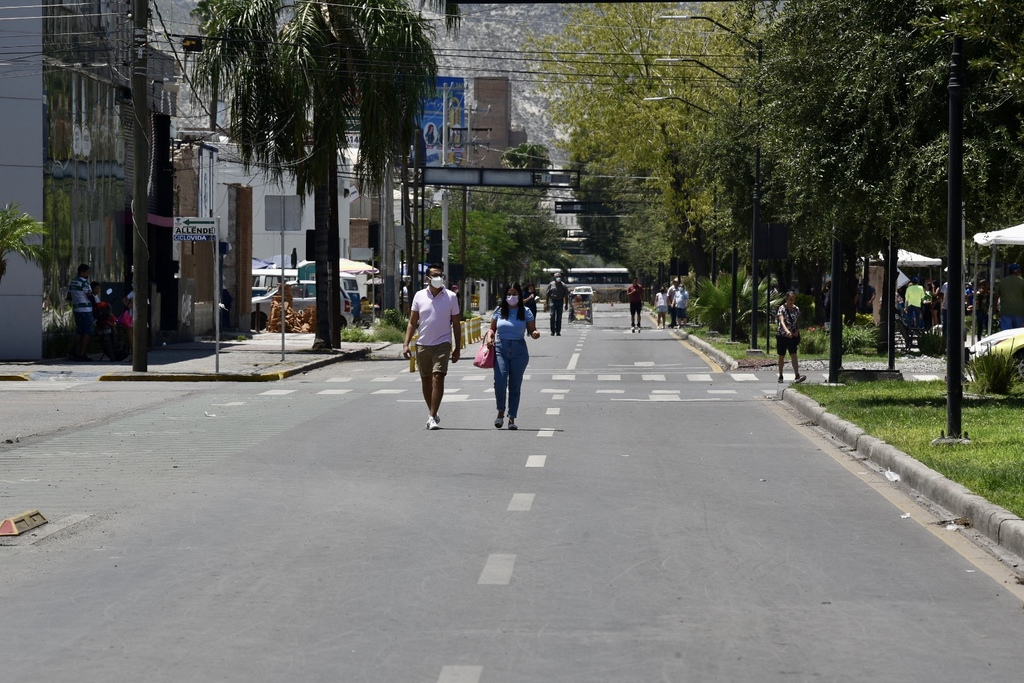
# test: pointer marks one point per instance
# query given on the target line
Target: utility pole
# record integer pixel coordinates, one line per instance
(140, 193)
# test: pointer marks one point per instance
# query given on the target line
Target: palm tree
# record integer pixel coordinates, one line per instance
(303, 74)
(17, 231)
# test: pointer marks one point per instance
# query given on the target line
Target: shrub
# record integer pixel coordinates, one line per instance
(805, 302)
(394, 318)
(59, 333)
(932, 343)
(355, 334)
(813, 341)
(993, 373)
(859, 339)
(389, 333)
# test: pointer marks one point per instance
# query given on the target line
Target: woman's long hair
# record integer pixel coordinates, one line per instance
(503, 304)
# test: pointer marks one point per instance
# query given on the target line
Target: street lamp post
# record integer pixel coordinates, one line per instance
(757, 161)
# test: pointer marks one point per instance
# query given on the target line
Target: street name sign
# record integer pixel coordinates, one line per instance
(195, 229)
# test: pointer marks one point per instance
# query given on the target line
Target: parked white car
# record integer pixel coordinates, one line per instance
(1006, 341)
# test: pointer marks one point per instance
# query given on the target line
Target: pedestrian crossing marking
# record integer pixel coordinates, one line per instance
(665, 391)
(610, 391)
(554, 391)
(452, 398)
(383, 379)
(653, 378)
(664, 397)
(609, 378)
(334, 392)
(473, 378)
(563, 378)
(744, 377)
(460, 674)
(699, 378)
(339, 379)
(389, 391)
(644, 363)
(558, 397)
(546, 433)
(536, 460)
(278, 392)
(521, 502)
(721, 391)
(554, 411)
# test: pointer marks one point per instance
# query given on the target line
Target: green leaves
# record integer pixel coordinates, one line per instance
(21, 234)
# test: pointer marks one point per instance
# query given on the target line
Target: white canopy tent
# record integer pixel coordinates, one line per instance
(908, 259)
(1014, 235)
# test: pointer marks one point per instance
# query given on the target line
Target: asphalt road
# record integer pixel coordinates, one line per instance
(652, 520)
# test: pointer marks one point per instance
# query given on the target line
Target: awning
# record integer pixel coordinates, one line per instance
(1014, 235)
(355, 267)
(908, 259)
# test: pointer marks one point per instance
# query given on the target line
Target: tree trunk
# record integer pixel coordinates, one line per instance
(334, 254)
(322, 210)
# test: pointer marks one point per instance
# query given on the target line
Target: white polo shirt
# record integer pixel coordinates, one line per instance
(436, 314)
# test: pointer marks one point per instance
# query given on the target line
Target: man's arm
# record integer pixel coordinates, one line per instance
(457, 331)
(414, 322)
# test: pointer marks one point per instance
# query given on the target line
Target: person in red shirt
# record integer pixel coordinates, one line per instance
(635, 295)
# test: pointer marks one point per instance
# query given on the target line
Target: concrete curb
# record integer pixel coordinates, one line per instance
(724, 360)
(233, 377)
(998, 524)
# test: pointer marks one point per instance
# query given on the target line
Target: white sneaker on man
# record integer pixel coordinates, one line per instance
(433, 423)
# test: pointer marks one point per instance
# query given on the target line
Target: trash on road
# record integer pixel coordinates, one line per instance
(891, 476)
(905, 516)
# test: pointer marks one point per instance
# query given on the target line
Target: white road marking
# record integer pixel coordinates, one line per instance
(610, 391)
(558, 397)
(644, 363)
(563, 378)
(745, 377)
(527, 377)
(278, 392)
(554, 391)
(546, 433)
(653, 378)
(229, 405)
(662, 397)
(35, 386)
(609, 378)
(339, 379)
(473, 378)
(664, 391)
(554, 411)
(455, 398)
(575, 358)
(521, 502)
(389, 391)
(683, 400)
(334, 392)
(721, 391)
(383, 379)
(699, 378)
(460, 674)
(536, 460)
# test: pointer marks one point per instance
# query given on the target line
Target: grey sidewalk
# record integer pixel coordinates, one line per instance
(253, 360)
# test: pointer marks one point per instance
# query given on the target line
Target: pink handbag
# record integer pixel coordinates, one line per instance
(484, 356)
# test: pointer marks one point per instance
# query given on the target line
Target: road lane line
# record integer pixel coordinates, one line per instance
(546, 433)
(610, 391)
(554, 411)
(334, 392)
(558, 397)
(563, 378)
(554, 391)
(653, 378)
(389, 391)
(278, 392)
(744, 377)
(699, 378)
(498, 570)
(521, 502)
(609, 378)
(339, 379)
(460, 674)
(572, 361)
(536, 460)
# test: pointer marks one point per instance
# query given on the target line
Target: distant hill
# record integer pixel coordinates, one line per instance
(486, 45)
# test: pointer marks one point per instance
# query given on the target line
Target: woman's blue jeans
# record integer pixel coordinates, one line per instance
(510, 360)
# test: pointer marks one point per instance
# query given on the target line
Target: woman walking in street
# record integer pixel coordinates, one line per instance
(787, 337)
(510, 324)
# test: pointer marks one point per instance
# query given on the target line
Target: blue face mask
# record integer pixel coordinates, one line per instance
(512, 299)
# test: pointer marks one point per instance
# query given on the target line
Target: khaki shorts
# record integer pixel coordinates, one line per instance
(433, 359)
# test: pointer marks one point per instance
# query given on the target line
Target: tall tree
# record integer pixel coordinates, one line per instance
(302, 75)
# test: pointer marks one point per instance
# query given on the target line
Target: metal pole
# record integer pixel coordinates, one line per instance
(835, 351)
(735, 293)
(955, 245)
(217, 297)
(445, 196)
(891, 275)
(755, 299)
(281, 291)
(140, 192)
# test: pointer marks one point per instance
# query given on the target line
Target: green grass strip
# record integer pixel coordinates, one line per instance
(909, 415)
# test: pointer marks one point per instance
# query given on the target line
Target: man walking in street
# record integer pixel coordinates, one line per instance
(1009, 299)
(671, 296)
(635, 295)
(82, 300)
(557, 295)
(436, 315)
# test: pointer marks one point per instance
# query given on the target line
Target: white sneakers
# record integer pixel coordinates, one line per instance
(433, 422)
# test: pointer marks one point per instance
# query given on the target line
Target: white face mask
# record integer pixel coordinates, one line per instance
(558, 278)
(512, 299)
(437, 282)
